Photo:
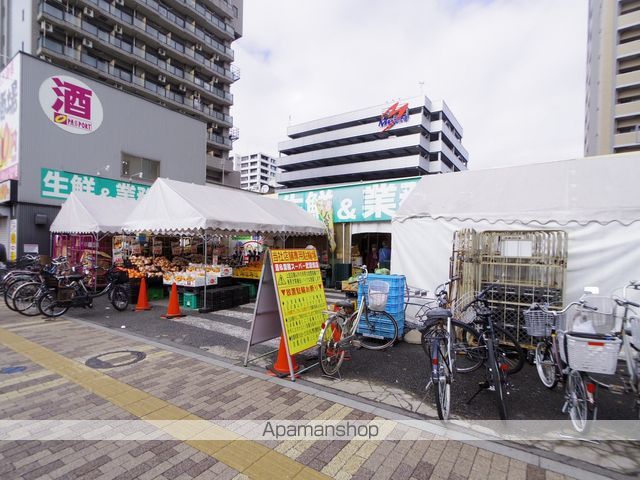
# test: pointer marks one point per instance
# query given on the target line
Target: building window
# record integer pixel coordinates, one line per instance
(138, 168)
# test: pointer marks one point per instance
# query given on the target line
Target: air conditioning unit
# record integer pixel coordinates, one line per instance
(182, 88)
(117, 30)
(216, 58)
(216, 81)
(198, 46)
(87, 43)
(46, 26)
(162, 52)
(119, 2)
(162, 79)
(87, 12)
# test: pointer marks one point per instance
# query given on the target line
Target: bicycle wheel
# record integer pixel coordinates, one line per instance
(119, 298)
(497, 379)
(441, 376)
(25, 298)
(509, 350)
(580, 410)
(545, 365)
(468, 350)
(331, 354)
(11, 287)
(379, 330)
(49, 307)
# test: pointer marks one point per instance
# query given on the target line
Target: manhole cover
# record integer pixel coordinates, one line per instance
(120, 358)
(17, 369)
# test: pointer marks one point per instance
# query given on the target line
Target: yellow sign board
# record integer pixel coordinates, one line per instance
(300, 296)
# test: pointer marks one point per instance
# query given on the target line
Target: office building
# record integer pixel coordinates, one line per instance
(175, 52)
(62, 132)
(399, 139)
(257, 172)
(612, 106)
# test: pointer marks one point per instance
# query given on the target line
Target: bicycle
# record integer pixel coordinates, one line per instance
(75, 294)
(496, 360)
(58, 265)
(436, 341)
(339, 333)
(585, 344)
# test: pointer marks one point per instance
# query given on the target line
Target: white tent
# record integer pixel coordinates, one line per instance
(594, 200)
(91, 214)
(172, 207)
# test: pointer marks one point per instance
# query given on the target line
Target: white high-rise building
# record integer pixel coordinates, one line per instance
(612, 107)
(257, 171)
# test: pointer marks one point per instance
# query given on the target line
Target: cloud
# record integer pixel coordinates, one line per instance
(512, 71)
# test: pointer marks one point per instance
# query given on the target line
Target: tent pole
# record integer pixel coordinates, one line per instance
(95, 280)
(204, 308)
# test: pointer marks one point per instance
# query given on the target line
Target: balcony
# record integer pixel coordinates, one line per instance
(628, 49)
(115, 42)
(628, 109)
(627, 79)
(219, 140)
(628, 139)
(198, 34)
(204, 13)
(628, 20)
(138, 84)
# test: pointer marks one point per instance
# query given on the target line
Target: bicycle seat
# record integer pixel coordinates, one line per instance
(439, 313)
(74, 277)
(344, 304)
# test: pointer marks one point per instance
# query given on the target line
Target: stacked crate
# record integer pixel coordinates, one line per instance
(395, 306)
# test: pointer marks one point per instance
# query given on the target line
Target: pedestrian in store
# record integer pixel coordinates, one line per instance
(372, 258)
(384, 255)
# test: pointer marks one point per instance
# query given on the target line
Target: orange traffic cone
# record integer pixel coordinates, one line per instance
(143, 301)
(173, 311)
(281, 366)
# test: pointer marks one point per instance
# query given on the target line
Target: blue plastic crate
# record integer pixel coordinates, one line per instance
(395, 299)
(382, 327)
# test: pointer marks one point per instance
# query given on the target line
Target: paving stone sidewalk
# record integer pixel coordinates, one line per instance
(56, 384)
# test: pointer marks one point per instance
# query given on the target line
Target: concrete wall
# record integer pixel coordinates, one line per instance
(130, 125)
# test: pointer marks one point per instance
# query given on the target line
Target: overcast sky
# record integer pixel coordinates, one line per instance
(512, 71)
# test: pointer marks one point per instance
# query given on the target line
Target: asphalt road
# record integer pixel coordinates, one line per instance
(403, 366)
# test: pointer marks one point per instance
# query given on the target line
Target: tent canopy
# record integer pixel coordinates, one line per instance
(87, 213)
(173, 207)
(586, 190)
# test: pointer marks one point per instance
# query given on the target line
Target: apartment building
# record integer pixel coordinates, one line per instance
(400, 139)
(257, 172)
(612, 106)
(175, 52)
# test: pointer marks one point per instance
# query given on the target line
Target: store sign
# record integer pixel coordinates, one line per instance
(372, 202)
(71, 104)
(393, 115)
(9, 119)
(13, 240)
(60, 184)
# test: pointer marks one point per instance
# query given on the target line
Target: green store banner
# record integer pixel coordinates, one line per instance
(366, 202)
(60, 184)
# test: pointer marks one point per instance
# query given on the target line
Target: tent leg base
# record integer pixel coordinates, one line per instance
(205, 310)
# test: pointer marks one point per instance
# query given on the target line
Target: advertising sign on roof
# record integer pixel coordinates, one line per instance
(393, 115)
(70, 104)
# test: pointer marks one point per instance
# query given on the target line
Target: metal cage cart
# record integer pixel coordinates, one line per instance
(525, 266)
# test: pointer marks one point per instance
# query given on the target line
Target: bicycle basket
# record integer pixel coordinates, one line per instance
(593, 355)
(65, 294)
(118, 276)
(538, 323)
(50, 281)
(458, 305)
(378, 295)
(585, 320)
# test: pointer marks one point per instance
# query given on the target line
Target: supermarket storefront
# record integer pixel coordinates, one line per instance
(359, 215)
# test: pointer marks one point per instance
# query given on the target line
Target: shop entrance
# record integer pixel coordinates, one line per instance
(365, 249)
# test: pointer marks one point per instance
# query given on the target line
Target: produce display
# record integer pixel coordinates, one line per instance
(253, 270)
(194, 275)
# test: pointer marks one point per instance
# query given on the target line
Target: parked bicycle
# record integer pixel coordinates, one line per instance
(368, 327)
(58, 266)
(500, 351)
(585, 344)
(76, 294)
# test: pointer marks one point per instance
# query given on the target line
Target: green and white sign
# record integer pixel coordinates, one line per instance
(60, 184)
(365, 202)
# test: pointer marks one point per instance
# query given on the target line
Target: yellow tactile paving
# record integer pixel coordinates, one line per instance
(248, 457)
